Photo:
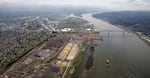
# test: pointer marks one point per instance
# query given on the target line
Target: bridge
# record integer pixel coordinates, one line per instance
(121, 32)
(112, 31)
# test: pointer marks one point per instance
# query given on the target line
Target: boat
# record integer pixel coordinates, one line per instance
(107, 63)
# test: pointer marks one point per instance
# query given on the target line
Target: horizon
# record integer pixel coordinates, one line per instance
(107, 4)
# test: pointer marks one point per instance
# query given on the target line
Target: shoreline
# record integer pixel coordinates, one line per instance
(143, 37)
(126, 47)
(75, 64)
(127, 29)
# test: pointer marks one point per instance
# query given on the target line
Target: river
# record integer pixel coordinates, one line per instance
(128, 54)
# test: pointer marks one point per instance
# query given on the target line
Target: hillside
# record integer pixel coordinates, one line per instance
(135, 20)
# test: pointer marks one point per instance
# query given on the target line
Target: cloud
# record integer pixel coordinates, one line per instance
(108, 4)
(140, 4)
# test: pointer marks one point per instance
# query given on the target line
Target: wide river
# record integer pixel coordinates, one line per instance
(129, 56)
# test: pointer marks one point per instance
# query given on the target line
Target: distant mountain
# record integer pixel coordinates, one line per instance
(135, 20)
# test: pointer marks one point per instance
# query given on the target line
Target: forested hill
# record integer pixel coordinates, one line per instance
(135, 20)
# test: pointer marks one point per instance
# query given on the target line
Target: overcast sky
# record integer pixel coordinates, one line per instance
(106, 4)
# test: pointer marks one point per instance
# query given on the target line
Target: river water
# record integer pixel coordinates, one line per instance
(129, 56)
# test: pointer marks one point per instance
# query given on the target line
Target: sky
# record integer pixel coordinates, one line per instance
(104, 4)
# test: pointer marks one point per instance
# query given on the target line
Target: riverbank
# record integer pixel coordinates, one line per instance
(143, 37)
(85, 60)
(70, 58)
(127, 53)
(58, 57)
(70, 72)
